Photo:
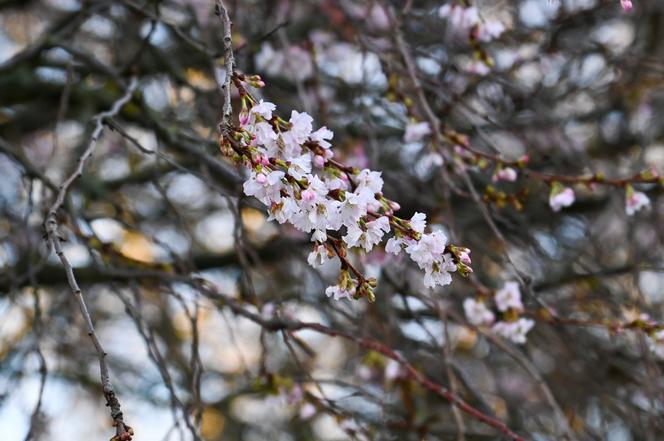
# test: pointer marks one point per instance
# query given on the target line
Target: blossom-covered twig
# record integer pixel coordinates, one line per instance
(294, 174)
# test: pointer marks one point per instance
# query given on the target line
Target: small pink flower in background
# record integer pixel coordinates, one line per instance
(477, 313)
(561, 197)
(365, 372)
(635, 201)
(268, 311)
(478, 67)
(515, 331)
(307, 411)
(392, 370)
(626, 5)
(490, 30)
(507, 174)
(339, 292)
(416, 131)
(509, 297)
(357, 157)
(461, 19)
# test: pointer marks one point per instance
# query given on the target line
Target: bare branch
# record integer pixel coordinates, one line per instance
(124, 432)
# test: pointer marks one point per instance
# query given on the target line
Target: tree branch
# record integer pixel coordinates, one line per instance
(124, 432)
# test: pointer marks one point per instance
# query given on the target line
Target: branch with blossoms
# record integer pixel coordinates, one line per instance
(464, 22)
(292, 172)
(561, 192)
(515, 321)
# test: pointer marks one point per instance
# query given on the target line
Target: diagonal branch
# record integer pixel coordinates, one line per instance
(275, 325)
(229, 64)
(124, 432)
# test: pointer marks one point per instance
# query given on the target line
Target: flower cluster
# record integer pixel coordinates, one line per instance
(292, 172)
(508, 302)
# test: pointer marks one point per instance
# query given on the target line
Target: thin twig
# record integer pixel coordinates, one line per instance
(124, 432)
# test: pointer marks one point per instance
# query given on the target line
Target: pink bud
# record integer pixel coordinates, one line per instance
(261, 178)
(464, 257)
(395, 206)
(319, 161)
(626, 5)
(263, 160)
(308, 195)
(505, 174)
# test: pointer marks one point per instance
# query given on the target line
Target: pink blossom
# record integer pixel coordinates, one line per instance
(490, 30)
(477, 313)
(307, 411)
(626, 5)
(561, 198)
(416, 131)
(308, 195)
(464, 257)
(418, 222)
(505, 174)
(515, 331)
(461, 19)
(263, 109)
(478, 67)
(319, 161)
(635, 202)
(509, 297)
(392, 370)
(338, 292)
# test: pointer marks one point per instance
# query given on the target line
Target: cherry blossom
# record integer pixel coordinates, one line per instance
(368, 234)
(477, 313)
(509, 297)
(264, 109)
(560, 197)
(460, 18)
(515, 331)
(307, 411)
(490, 30)
(478, 67)
(416, 131)
(341, 291)
(505, 174)
(635, 201)
(318, 256)
(626, 5)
